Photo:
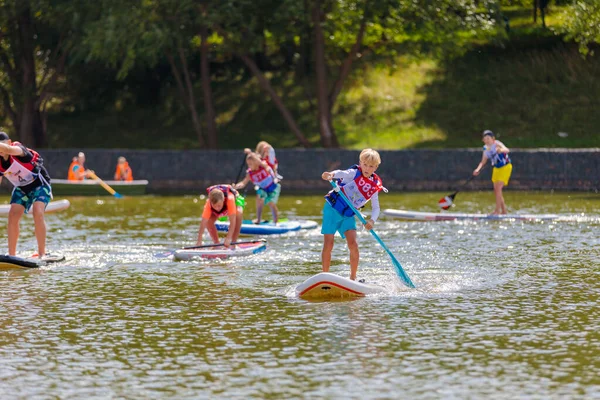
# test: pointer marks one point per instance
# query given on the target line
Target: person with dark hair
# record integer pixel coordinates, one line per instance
(495, 151)
(23, 167)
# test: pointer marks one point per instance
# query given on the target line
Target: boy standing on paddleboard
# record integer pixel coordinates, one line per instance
(222, 200)
(23, 167)
(360, 184)
(495, 151)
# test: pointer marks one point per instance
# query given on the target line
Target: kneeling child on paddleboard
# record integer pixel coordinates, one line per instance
(222, 200)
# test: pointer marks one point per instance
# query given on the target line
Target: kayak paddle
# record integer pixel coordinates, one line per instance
(105, 186)
(399, 270)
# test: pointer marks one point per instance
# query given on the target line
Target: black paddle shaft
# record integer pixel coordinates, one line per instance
(462, 186)
(237, 179)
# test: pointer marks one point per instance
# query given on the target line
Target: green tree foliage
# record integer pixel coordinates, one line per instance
(36, 38)
(583, 23)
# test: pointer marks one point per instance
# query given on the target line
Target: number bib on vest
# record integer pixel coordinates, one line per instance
(262, 178)
(18, 175)
(361, 189)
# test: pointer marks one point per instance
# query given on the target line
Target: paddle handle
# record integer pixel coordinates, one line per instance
(105, 185)
(401, 273)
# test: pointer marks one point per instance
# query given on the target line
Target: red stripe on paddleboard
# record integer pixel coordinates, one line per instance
(333, 284)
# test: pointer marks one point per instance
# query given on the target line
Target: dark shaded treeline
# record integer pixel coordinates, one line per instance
(74, 56)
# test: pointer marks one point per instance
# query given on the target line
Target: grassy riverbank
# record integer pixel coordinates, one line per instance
(532, 89)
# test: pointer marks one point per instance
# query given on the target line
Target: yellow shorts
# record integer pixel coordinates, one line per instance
(502, 174)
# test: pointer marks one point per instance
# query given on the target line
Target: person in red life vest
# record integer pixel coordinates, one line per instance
(23, 167)
(267, 185)
(266, 153)
(77, 171)
(222, 200)
(360, 184)
(123, 171)
(495, 151)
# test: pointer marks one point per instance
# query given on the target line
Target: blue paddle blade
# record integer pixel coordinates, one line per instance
(399, 270)
(118, 196)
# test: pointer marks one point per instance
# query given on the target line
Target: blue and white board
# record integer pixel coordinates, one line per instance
(326, 285)
(448, 216)
(265, 228)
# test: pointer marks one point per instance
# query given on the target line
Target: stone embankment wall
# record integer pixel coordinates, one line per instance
(409, 170)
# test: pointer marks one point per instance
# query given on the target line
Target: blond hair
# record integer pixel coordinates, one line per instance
(261, 146)
(216, 196)
(370, 155)
(253, 156)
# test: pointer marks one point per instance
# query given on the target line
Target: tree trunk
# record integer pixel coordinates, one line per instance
(30, 126)
(187, 99)
(347, 64)
(328, 138)
(211, 127)
(535, 8)
(266, 85)
(543, 12)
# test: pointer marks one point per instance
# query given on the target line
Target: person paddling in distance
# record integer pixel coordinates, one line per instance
(360, 184)
(269, 187)
(222, 200)
(77, 171)
(23, 167)
(495, 151)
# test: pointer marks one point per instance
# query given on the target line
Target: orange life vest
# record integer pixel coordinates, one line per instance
(123, 172)
(72, 176)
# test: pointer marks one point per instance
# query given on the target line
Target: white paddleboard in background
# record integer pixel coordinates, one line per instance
(53, 206)
(326, 285)
(308, 224)
(449, 216)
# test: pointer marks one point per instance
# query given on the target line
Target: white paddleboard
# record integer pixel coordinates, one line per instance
(53, 206)
(449, 216)
(14, 262)
(307, 224)
(326, 285)
(241, 250)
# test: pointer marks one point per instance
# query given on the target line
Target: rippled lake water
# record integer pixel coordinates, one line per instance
(501, 310)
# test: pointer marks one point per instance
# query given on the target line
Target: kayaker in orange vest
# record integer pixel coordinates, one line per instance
(123, 171)
(77, 170)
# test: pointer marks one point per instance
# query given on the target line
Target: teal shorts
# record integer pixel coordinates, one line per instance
(272, 197)
(41, 193)
(334, 222)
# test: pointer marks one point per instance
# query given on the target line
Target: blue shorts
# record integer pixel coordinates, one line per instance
(41, 193)
(271, 197)
(334, 222)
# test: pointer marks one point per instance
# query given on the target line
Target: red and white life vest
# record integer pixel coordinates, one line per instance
(21, 173)
(359, 192)
(264, 178)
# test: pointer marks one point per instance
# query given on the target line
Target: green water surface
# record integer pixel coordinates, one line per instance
(501, 310)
